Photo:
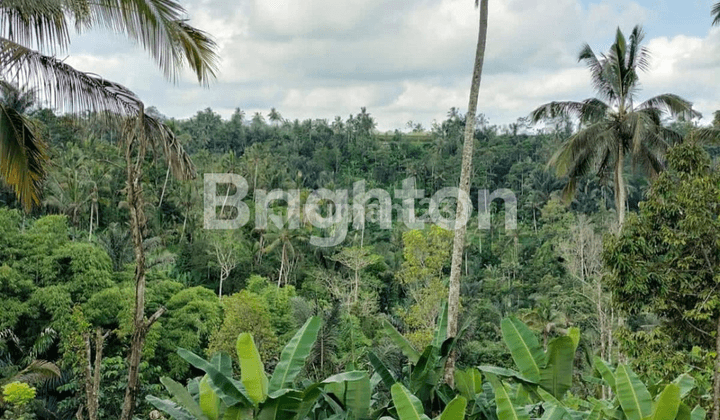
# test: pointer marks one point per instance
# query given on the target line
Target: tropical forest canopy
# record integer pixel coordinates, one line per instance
(600, 302)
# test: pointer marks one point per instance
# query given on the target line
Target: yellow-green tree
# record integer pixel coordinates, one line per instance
(426, 254)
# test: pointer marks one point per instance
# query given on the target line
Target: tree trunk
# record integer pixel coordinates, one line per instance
(134, 157)
(466, 170)
(716, 374)
(620, 192)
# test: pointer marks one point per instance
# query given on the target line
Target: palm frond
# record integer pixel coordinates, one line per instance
(160, 27)
(162, 137)
(63, 85)
(39, 24)
(716, 13)
(672, 104)
(597, 71)
(23, 155)
(706, 136)
(649, 160)
(576, 157)
(639, 56)
(17, 98)
(38, 371)
(589, 110)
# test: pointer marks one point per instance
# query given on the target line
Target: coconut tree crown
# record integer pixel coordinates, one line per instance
(611, 126)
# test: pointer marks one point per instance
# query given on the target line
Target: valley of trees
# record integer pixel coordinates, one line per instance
(117, 303)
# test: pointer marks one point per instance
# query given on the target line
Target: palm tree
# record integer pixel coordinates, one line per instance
(716, 13)
(33, 33)
(612, 127)
(465, 171)
(274, 117)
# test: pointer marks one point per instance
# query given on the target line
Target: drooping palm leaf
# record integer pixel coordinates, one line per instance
(39, 24)
(159, 27)
(62, 84)
(23, 155)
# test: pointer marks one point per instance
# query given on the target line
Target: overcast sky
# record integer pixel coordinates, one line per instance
(412, 59)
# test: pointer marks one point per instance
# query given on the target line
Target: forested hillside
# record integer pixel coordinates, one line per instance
(258, 267)
(68, 265)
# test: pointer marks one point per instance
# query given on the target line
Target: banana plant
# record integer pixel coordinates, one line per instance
(423, 376)
(633, 400)
(409, 407)
(219, 396)
(549, 370)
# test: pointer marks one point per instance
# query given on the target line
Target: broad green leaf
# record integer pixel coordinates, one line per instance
(223, 363)
(238, 413)
(507, 373)
(181, 395)
(596, 413)
(441, 330)
(353, 390)
(355, 375)
(252, 370)
(292, 358)
(476, 380)
(407, 349)
(209, 401)
(506, 409)
(455, 410)
(605, 372)
(698, 413)
(634, 397)
(425, 367)
(667, 403)
(230, 391)
(524, 347)
(558, 406)
(464, 384)
(574, 334)
(686, 384)
(553, 412)
(556, 377)
(684, 413)
(357, 397)
(407, 405)
(387, 377)
(522, 395)
(281, 405)
(170, 408)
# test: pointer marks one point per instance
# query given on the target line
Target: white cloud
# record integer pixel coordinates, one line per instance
(403, 59)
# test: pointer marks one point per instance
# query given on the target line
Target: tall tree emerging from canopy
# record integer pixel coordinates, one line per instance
(463, 213)
(612, 127)
(667, 258)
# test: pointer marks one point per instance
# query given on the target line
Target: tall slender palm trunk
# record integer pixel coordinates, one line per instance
(620, 192)
(462, 213)
(134, 156)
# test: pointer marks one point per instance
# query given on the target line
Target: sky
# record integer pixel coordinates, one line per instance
(411, 60)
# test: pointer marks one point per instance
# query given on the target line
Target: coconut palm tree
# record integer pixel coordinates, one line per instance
(465, 171)
(716, 13)
(32, 33)
(612, 127)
